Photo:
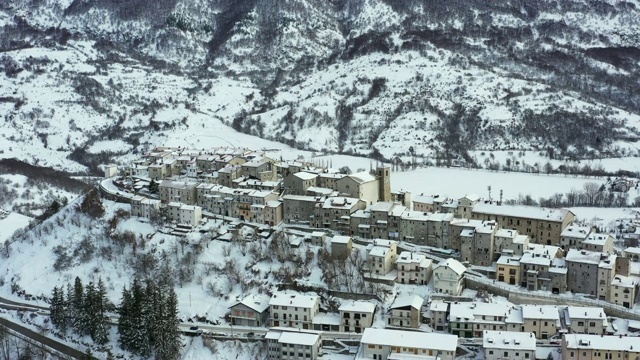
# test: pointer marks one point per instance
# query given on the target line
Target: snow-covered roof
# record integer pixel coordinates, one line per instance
(320, 190)
(413, 301)
(298, 338)
(407, 257)
(305, 175)
(379, 251)
(318, 234)
(598, 239)
(471, 197)
(445, 217)
(585, 312)
(452, 264)
(632, 250)
(438, 305)
(603, 260)
(508, 340)
(424, 199)
(259, 303)
(520, 239)
(358, 306)
(576, 232)
(415, 215)
(303, 198)
(339, 239)
(362, 177)
(599, 342)
(385, 206)
(625, 281)
(273, 203)
(521, 211)
(547, 312)
(326, 319)
(384, 242)
(468, 311)
(340, 203)
(535, 259)
(506, 233)
(509, 260)
(295, 300)
(412, 339)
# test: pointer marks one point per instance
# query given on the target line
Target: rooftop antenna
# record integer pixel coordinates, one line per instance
(489, 190)
(500, 203)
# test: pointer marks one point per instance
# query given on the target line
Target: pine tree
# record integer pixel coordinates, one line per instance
(57, 310)
(139, 334)
(150, 309)
(101, 306)
(87, 318)
(167, 330)
(76, 307)
(125, 329)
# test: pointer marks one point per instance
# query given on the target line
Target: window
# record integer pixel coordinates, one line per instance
(506, 354)
(526, 355)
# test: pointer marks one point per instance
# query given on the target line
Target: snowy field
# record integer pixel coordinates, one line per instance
(11, 223)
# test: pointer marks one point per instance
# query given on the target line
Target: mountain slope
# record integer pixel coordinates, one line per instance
(372, 77)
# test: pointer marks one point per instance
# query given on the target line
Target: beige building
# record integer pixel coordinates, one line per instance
(261, 169)
(355, 316)
(541, 320)
(424, 203)
(382, 256)
(502, 345)
(385, 344)
(228, 174)
(449, 277)
(363, 186)
(466, 204)
(598, 242)
(596, 347)
(173, 191)
(585, 320)
(542, 225)
(406, 312)
(293, 310)
(624, 290)
(329, 180)
(273, 212)
(413, 268)
(508, 269)
(289, 345)
(590, 272)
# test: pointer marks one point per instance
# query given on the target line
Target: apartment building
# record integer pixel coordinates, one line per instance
(273, 212)
(542, 225)
(384, 344)
(184, 214)
(590, 272)
(509, 239)
(624, 290)
(287, 345)
(298, 183)
(597, 347)
(413, 268)
(144, 207)
(382, 256)
(449, 277)
(341, 246)
(356, 315)
(293, 310)
(599, 243)
(470, 319)
(508, 268)
(173, 191)
(252, 310)
(477, 244)
(300, 209)
(585, 320)
(466, 204)
(424, 203)
(501, 345)
(541, 320)
(414, 227)
(335, 213)
(362, 185)
(406, 311)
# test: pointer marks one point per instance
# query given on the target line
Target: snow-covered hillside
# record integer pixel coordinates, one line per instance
(370, 77)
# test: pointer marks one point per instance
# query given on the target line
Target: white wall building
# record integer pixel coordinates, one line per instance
(503, 345)
(383, 344)
(449, 277)
(293, 310)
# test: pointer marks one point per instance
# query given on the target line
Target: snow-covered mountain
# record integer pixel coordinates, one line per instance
(85, 81)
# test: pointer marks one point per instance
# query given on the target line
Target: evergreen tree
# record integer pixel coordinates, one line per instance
(125, 328)
(87, 318)
(150, 309)
(140, 334)
(57, 310)
(167, 332)
(77, 308)
(101, 306)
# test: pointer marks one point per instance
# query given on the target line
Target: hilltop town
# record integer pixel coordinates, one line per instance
(569, 287)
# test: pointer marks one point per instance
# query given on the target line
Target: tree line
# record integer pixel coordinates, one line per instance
(148, 316)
